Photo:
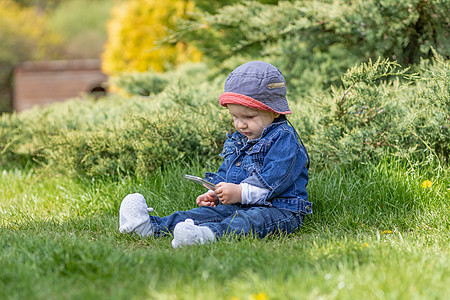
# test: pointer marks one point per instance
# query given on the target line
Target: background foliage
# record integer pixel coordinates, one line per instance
(380, 110)
(136, 34)
(119, 135)
(314, 42)
(365, 79)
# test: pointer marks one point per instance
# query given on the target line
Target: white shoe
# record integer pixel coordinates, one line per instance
(134, 217)
(187, 233)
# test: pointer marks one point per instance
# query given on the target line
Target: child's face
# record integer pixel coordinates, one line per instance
(250, 122)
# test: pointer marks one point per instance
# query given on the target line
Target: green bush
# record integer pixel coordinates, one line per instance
(142, 143)
(431, 121)
(119, 135)
(383, 110)
(143, 84)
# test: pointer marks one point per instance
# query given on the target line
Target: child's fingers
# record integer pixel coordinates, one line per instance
(219, 190)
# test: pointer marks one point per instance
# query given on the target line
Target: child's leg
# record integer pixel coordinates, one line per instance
(185, 230)
(222, 219)
(200, 215)
(258, 220)
(134, 216)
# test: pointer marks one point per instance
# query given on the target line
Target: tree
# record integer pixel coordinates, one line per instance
(316, 41)
(138, 36)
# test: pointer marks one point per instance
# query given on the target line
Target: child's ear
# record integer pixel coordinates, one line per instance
(276, 115)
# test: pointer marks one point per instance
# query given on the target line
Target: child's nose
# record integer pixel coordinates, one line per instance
(242, 124)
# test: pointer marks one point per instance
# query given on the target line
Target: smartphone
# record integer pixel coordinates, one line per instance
(201, 181)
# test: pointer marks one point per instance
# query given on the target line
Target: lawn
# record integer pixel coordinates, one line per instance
(376, 233)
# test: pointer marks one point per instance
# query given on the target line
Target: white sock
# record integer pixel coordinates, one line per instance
(133, 216)
(186, 233)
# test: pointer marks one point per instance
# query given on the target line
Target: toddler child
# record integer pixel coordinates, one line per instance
(261, 184)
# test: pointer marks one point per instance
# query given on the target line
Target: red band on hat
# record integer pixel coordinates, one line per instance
(234, 98)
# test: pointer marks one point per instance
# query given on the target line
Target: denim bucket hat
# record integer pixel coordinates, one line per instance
(257, 85)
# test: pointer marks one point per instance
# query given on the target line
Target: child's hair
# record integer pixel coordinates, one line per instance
(258, 85)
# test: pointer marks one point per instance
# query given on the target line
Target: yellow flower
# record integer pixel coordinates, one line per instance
(426, 184)
(365, 245)
(259, 296)
(386, 232)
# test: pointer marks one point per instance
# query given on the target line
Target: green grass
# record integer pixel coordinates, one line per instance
(375, 234)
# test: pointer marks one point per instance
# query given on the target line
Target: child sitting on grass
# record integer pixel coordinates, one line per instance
(261, 184)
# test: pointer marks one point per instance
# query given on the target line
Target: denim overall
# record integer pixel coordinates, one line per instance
(277, 161)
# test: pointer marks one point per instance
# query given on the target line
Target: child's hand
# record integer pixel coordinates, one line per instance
(207, 199)
(228, 193)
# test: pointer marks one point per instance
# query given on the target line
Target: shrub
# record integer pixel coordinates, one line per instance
(143, 84)
(430, 123)
(383, 110)
(142, 143)
(119, 135)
